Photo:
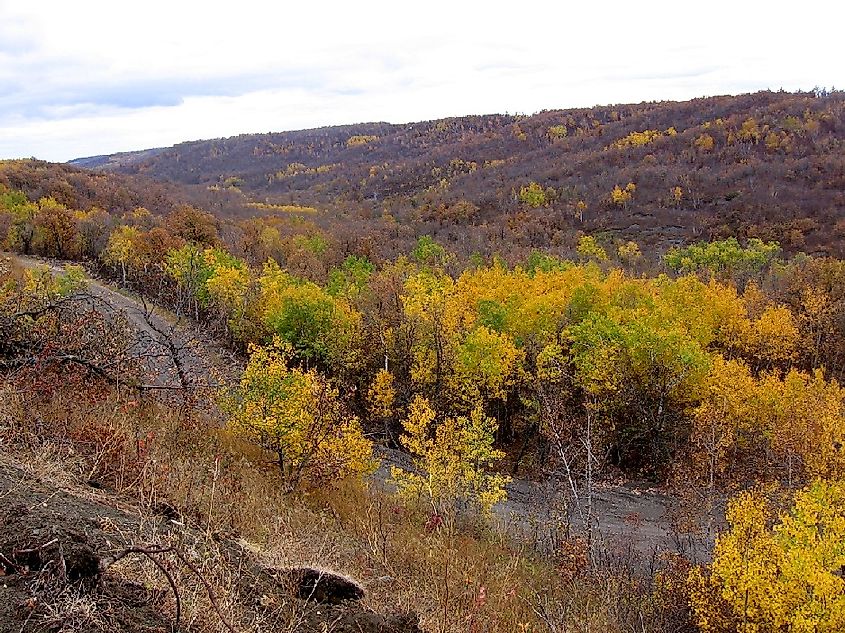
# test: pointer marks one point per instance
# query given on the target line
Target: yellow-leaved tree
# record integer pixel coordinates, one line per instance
(629, 253)
(228, 289)
(487, 364)
(297, 415)
(589, 248)
(119, 249)
(787, 577)
(789, 426)
(806, 423)
(451, 458)
(725, 419)
(621, 197)
(381, 395)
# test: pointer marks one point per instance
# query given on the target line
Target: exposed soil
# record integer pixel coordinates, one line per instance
(64, 566)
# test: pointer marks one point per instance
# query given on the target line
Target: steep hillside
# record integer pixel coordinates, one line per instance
(73, 559)
(83, 189)
(768, 165)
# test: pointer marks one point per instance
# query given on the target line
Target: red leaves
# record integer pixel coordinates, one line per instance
(435, 521)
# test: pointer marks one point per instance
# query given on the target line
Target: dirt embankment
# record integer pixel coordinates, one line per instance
(81, 560)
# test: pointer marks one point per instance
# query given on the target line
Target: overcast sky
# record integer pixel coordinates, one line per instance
(100, 76)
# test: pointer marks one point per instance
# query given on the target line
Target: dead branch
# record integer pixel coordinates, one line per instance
(167, 340)
(212, 596)
(149, 552)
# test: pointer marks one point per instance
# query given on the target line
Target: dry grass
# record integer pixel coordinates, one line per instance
(464, 577)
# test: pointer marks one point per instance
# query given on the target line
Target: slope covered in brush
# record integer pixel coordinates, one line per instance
(766, 165)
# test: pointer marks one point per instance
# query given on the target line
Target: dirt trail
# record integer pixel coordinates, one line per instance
(173, 351)
(632, 523)
(630, 520)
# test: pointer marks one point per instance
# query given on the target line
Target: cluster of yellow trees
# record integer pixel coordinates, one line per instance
(674, 368)
(777, 571)
(646, 137)
(667, 370)
(690, 374)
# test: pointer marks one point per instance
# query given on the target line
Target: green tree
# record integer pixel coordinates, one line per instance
(641, 377)
(318, 326)
(351, 278)
(429, 252)
(723, 256)
(533, 195)
(192, 267)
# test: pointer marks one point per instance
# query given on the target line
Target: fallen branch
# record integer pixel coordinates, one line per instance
(149, 553)
(158, 549)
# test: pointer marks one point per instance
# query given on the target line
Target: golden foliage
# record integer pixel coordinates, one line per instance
(487, 364)
(381, 395)
(285, 208)
(677, 194)
(704, 142)
(452, 456)
(727, 412)
(629, 253)
(797, 418)
(297, 415)
(589, 248)
(620, 197)
(557, 132)
(749, 131)
(361, 139)
(533, 195)
(639, 139)
(781, 578)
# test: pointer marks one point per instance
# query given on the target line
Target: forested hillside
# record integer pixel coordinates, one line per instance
(86, 190)
(640, 295)
(767, 165)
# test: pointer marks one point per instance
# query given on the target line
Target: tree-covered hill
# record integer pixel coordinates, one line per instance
(768, 165)
(496, 296)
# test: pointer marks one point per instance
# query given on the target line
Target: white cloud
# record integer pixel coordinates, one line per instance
(99, 76)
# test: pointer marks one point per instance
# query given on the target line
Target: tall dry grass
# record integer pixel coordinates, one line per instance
(459, 577)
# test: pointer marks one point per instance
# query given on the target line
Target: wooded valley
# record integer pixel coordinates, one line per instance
(649, 295)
